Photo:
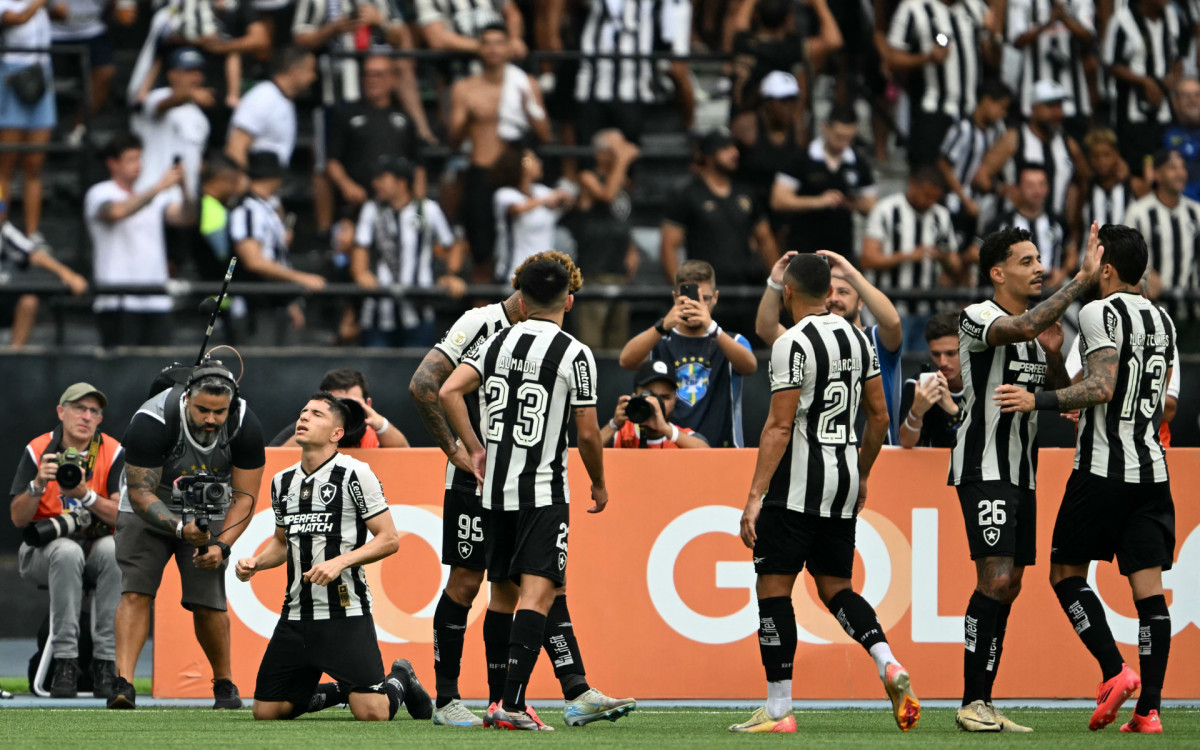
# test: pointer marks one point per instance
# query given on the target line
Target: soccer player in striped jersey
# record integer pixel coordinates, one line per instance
(463, 533)
(994, 463)
(1118, 499)
(324, 506)
(531, 378)
(809, 484)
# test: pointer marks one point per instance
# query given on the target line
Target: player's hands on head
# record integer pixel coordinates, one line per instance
(194, 536)
(245, 569)
(1011, 398)
(781, 265)
(324, 573)
(837, 264)
(749, 520)
(210, 560)
(599, 498)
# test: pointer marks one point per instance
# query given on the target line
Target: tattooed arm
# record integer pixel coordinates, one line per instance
(1096, 388)
(426, 382)
(141, 483)
(1013, 329)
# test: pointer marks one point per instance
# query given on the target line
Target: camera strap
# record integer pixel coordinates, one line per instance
(93, 452)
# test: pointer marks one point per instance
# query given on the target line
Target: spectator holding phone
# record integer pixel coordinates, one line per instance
(931, 403)
(708, 364)
(641, 420)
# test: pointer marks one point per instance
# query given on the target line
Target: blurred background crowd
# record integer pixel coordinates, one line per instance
(376, 166)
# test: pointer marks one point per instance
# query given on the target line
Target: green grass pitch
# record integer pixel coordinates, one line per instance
(658, 728)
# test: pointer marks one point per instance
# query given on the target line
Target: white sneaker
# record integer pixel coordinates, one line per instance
(455, 714)
(595, 705)
(75, 137)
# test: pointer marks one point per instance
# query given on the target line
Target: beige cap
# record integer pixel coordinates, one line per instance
(80, 390)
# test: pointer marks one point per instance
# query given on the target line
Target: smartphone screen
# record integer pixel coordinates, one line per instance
(691, 291)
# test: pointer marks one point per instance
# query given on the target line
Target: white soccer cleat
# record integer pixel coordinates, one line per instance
(455, 714)
(594, 706)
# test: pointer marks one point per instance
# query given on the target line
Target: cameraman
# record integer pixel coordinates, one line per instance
(931, 404)
(64, 561)
(202, 428)
(654, 386)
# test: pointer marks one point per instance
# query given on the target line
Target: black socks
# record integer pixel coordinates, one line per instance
(777, 636)
(1087, 617)
(449, 631)
(979, 637)
(497, 631)
(525, 643)
(1154, 645)
(563, 650)
(994, 651)
(857, 617)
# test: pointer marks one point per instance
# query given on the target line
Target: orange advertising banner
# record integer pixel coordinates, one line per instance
(661, 590)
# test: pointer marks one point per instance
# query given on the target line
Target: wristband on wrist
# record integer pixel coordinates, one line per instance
(1046, 401)
(384, 427)
(34, 490)
(89, 499)
(179, 530)
(714, 330)
(660, 325)
(224, 549)
(674, 434)
(613, 424)
(774, 285)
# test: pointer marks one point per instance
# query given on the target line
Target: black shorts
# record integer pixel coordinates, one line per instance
(478, 213)
(1102, 517)
(462, 530)
(1001, 520)
(529, 541)
(787, 540)
(300, 651)
(925, 137)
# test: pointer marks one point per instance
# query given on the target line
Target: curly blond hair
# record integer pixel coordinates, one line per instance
(560, 258)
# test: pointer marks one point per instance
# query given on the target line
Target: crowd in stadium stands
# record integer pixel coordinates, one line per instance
(1040, 114)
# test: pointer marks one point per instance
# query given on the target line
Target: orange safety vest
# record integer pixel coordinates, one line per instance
(50, 504)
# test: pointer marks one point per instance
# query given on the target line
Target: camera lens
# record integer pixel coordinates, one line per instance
(638, 409)
(68, 476)
(214, 493)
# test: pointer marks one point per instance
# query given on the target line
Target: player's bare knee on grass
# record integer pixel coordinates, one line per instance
(369, 706)
(271, 711)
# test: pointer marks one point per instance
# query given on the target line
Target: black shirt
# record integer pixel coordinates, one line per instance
(938, 429)
(718, 229)
(808, 174)
(765, 54)
(361, 133)
(603, 234)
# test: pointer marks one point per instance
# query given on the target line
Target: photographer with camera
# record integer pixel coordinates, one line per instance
(642, 419)
(194, 459)
(65, 502)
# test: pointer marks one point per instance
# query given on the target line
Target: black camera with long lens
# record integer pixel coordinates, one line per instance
(638, 409)
(40, 533)
(201, 497)
(72, 468)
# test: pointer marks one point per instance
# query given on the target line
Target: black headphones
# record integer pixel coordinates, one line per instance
(212, 368)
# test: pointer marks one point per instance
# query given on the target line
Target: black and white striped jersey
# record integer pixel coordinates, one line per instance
(1120, 439)
(533, 375)
(949, 88)
(1055, 54)
(993, 446)
(631, 27)
(1049, 235)
(1172, 235)
(964, 146)
(1148, 47)
(15, 249)
(257, 218)
(340, 75)
(1053, 156)
(462, 340)
(464, 17)
(900, 229)
(324, 515)
(829, 360)
(1107, 205)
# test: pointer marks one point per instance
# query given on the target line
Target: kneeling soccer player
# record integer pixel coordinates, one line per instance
(809, 485)
(323, 507)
